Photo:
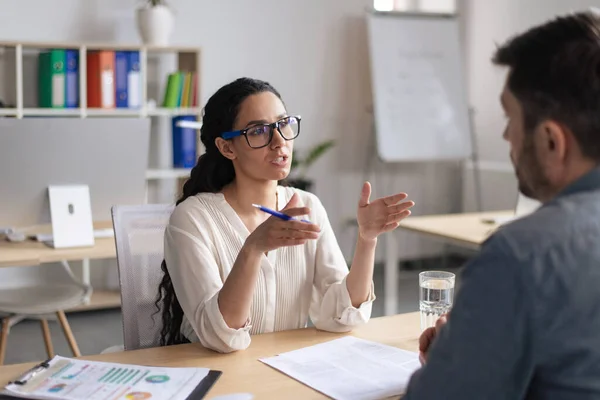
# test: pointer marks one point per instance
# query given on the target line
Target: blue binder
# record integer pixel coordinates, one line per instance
(134, 80)
(121, 69)
(184, 143)
(72, 78)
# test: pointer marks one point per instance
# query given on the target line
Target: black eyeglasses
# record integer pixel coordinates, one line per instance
(261, 135)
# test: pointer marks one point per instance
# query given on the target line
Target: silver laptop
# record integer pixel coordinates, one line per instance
(110, 155)
(525, 205)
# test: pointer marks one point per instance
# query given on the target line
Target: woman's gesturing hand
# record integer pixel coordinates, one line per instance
(381, 215)
(275, 232)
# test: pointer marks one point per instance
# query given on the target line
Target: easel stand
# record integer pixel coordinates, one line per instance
(475, 162)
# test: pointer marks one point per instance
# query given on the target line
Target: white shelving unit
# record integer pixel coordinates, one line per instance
(14, 56)
(176, 173)
(18, 92)
(96, 112)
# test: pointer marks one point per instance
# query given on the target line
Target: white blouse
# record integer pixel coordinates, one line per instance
(202, 241)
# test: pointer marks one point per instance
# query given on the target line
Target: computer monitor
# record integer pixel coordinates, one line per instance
(110, 155)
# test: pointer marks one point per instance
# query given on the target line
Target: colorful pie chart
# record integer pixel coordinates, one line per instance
(57, 388)
(157, 379)
(138, 396)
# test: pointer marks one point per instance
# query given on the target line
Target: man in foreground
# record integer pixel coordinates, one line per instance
(526, 321)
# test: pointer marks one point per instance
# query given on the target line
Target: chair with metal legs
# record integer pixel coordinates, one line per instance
(42, 302)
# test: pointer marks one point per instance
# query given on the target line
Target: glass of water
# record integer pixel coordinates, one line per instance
(436, 291)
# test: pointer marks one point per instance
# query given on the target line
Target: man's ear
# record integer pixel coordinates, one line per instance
(553, 139)
(225, 148)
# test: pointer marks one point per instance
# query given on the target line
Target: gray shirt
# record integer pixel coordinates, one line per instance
(526, 321)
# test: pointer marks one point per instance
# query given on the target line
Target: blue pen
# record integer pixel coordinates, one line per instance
(278, 214)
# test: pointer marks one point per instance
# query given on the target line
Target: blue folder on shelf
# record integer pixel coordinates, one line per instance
(128, 79)
(134, 80)
(72, 78)
(121, 71)
(184, 143)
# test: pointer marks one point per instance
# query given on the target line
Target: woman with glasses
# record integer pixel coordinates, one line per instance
(232, 270)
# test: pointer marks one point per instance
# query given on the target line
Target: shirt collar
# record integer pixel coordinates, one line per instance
(589, 181)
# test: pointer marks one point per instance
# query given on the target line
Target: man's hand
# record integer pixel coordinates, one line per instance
(428, 336)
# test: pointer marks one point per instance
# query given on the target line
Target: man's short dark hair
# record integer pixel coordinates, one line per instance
(555, 74)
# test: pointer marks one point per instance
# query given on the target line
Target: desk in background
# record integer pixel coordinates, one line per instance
(242, 372)
(31, 253)
(466, 230)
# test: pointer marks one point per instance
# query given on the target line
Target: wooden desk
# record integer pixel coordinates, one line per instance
(467, 230)
(32, 253)
(242, 372)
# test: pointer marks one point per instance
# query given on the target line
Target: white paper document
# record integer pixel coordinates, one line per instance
(349, 368)
(71, 379)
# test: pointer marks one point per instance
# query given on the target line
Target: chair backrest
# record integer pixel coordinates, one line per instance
(139, 233)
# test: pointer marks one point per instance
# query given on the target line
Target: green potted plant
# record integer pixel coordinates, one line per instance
(301, 164)
(155, 22)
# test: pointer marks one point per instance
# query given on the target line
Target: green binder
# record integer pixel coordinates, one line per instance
(51, 79)
(173, 92)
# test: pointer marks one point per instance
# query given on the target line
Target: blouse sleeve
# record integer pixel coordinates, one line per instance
(331, 307)
(197, 282)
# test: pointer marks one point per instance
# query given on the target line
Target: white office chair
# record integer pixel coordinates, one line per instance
(139, 235)
(43, 302)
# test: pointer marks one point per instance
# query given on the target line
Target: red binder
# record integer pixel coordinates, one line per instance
(101, 79)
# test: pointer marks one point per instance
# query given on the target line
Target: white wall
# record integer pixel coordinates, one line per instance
(488, 24)
(314, 51)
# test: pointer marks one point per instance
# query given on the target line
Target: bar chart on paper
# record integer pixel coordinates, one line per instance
(78, 379)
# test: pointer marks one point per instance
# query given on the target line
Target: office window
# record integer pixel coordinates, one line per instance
(432, 6)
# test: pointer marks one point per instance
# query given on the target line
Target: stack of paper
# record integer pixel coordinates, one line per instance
(349, 368)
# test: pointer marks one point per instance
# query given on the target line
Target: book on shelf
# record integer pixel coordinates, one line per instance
(194, 98)
(101, 79)
(71, 78)
(187, 80)
(127, 79)
(172, 91)
(121, 100)
(181, 90)
(51, 79)
(134, 80)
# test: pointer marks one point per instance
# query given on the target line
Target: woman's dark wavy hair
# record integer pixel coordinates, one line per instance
(212, 172)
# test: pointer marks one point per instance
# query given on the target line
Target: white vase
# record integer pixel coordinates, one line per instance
(155, 25)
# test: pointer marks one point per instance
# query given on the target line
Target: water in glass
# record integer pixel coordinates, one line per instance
(436, 295)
